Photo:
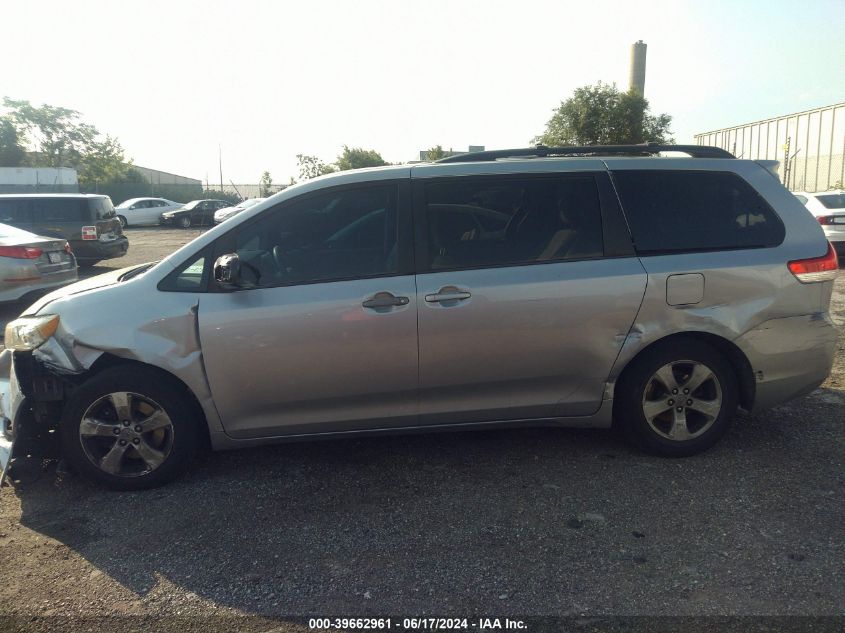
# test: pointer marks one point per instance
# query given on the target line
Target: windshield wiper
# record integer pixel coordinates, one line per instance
(136, 271)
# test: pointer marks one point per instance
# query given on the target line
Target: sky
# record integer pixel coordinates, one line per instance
(267, 80)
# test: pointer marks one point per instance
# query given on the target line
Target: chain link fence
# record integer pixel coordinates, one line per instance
(809, 145)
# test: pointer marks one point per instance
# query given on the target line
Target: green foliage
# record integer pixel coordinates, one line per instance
(311, 167)
(60, 138)
(435, 153)
(265, 185)
(12, 154)
(601, 115)
(357, 157)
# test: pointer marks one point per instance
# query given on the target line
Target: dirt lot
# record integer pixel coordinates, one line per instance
(533, 522)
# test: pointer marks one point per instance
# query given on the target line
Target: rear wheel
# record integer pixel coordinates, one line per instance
(185, 222)
(129, 428)
(677, 399)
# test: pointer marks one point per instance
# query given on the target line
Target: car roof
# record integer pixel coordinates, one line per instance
(133, 200)
(78, 196)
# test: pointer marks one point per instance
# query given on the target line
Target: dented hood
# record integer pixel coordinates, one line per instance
(100, 281)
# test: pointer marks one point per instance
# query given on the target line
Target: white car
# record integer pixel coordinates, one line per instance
(828, 207)
(228, 212)
(144, 211)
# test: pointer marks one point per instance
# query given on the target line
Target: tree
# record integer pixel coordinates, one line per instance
(601, 115)
(311, 167)
(60, 138)
(435, 153)
(357, 157)
(265, 184)
(12, 154)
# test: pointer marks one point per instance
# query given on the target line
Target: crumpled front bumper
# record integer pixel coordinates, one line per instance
(11, 399)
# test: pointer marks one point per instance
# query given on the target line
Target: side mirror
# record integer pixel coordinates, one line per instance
(227, 271)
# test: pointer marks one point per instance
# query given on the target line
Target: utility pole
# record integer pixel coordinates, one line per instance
(220, 162)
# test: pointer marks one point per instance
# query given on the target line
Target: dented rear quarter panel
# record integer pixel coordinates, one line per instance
(746, 292)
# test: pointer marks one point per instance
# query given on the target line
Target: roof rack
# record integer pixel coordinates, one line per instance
(541, 151)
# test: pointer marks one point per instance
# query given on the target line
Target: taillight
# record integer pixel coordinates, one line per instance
(825, 219)
(20, 252)
(68, 249)
(823, 268)
(89, 232)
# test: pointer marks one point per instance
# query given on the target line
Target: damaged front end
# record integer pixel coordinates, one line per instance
(34, 385)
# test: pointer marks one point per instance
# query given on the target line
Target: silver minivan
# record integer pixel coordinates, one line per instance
(546, 286)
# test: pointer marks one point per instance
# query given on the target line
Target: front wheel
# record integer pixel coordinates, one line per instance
(677, 399)
(123, 222)
(129, 428)
(185, 222)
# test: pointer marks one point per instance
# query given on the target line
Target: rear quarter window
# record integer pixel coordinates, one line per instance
(101, 208)
(679, 211)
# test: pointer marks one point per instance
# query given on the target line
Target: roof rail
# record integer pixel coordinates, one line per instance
(541, 151)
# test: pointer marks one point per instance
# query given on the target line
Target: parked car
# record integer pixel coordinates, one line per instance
(828, 207)
(195, 213)
(228, 212)
(660, 293)
(144, 211)
(30, 263)
(87, 221)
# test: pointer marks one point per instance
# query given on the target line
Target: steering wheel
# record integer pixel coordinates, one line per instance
(279, 260)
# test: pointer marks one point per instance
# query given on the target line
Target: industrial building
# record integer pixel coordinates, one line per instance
(810, 146)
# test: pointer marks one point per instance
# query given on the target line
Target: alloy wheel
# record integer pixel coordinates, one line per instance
(126, 434)
(682, 400)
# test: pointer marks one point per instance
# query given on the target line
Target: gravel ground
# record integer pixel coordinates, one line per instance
(533, 522)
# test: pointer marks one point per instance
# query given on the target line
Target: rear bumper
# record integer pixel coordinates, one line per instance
(789, 357)
(95, 249)
(12, 291)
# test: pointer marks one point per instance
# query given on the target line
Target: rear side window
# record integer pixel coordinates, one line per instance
(59, 210)
(490, 222)
(676, 211)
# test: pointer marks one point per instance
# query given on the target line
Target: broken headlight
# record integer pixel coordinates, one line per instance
(30, 332)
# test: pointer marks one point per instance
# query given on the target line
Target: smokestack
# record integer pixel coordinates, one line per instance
(636, 76)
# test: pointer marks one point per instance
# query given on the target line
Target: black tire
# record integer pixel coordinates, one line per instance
(87, 263)
(185, 222)
(630, 398)
(123, 222)
(151, 384)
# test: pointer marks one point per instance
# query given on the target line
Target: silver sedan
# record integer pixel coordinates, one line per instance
(30, 262)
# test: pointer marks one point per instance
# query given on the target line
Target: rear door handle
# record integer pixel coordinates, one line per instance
(385, 300)
(450, 293)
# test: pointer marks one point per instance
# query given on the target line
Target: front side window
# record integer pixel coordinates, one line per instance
(678, 211)
(344, 234)
(12, 210)
(505, 221)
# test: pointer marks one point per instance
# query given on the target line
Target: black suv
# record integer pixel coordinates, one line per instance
(87, 221)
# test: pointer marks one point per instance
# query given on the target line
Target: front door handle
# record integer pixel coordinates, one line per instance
(449, 293)
(385, 300)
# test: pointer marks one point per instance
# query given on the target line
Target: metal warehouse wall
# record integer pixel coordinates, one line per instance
(810, 146)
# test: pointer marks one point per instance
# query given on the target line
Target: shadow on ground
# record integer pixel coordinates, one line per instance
(540, 521)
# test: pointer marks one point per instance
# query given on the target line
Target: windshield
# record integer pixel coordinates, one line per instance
(192, 204)
(833, 200)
